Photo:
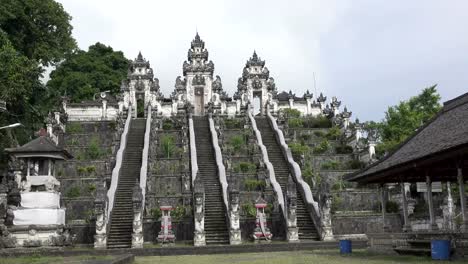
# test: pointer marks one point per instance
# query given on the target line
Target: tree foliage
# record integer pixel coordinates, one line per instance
(85, 73)
(38, 29)
(404, 119)
(33, 34)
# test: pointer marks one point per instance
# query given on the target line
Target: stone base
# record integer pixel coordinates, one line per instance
(199, 239)
(100, 241)
(38, 236)
(137, 240)
(293, 235)
(235, 237)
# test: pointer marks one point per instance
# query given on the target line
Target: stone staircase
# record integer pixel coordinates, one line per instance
(121, 228)
(307, 230)
(216, 227)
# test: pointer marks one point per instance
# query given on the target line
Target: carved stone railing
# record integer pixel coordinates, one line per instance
(270, 170)
(118, 165)
(322, 223)
(144, 157)
(221, 172)
(193, 150)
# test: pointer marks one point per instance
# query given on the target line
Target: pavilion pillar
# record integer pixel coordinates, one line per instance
(383, 200)
(430, 203)
(406, 225)
(461, 186)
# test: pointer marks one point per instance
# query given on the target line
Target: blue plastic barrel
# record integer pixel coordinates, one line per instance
(345, 246)
(440, 249)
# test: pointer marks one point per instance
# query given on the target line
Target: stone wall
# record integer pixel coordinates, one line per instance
(365, 223)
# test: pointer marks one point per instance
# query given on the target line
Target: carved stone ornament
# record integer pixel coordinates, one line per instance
(198, 80)
(217, 85)
(256, 83)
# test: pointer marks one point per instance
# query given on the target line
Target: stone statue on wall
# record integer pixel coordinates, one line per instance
(217, 85)
(234, 232)
(100, 205)
(199, 197)
(137, 235)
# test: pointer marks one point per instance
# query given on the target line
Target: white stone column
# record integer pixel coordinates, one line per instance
(406, 225)
(430, 203)
(461, 186)
(450, 207)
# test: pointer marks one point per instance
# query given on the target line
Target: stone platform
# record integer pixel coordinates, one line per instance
(184, 250)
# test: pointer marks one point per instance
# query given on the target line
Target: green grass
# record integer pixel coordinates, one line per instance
(290, 257)
(37, 259)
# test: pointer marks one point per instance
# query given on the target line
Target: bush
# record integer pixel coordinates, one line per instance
(91, 188)
(253, 184)
(333, 133)
(73, 128)
(337, 201)
(237, 142)
(344, 149)
(291, 113)
(319, 133)
(178, 213)
(232, 123)
(73, 192)
(249, 209)
(308, 176)
(392, 207)
(355, 164)
(167, 125)
(298, 149)
(86, 170)
(319, 122)
(94, 151)
(330, 165)
(295, 122)
(244, 167)
(155, 213)
(322, 147)
(168, 146)
(305, 137)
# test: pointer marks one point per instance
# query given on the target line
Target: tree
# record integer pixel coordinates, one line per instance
(404, 119)
(39, 29)
(85, 73)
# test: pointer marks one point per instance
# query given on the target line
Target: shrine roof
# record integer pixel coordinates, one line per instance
(42, 146)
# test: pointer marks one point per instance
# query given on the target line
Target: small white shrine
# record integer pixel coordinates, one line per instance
(38, 220)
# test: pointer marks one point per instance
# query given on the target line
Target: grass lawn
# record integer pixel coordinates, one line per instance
(309, 257)
(36, 259)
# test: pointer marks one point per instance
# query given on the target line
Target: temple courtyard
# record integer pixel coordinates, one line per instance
(315, 256)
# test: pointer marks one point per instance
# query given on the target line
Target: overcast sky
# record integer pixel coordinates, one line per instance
(370, 54)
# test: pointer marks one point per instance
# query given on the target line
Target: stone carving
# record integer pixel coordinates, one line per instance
(256, 83)
(6, 239)
(199, 197)
(291, 200)
(234, 232)
(100, 205)
(33, 239)
(137, 235)
(217, 85)
(271, 86)
(179, 84)
(325, 201)
(61, 238)
(198, 80)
